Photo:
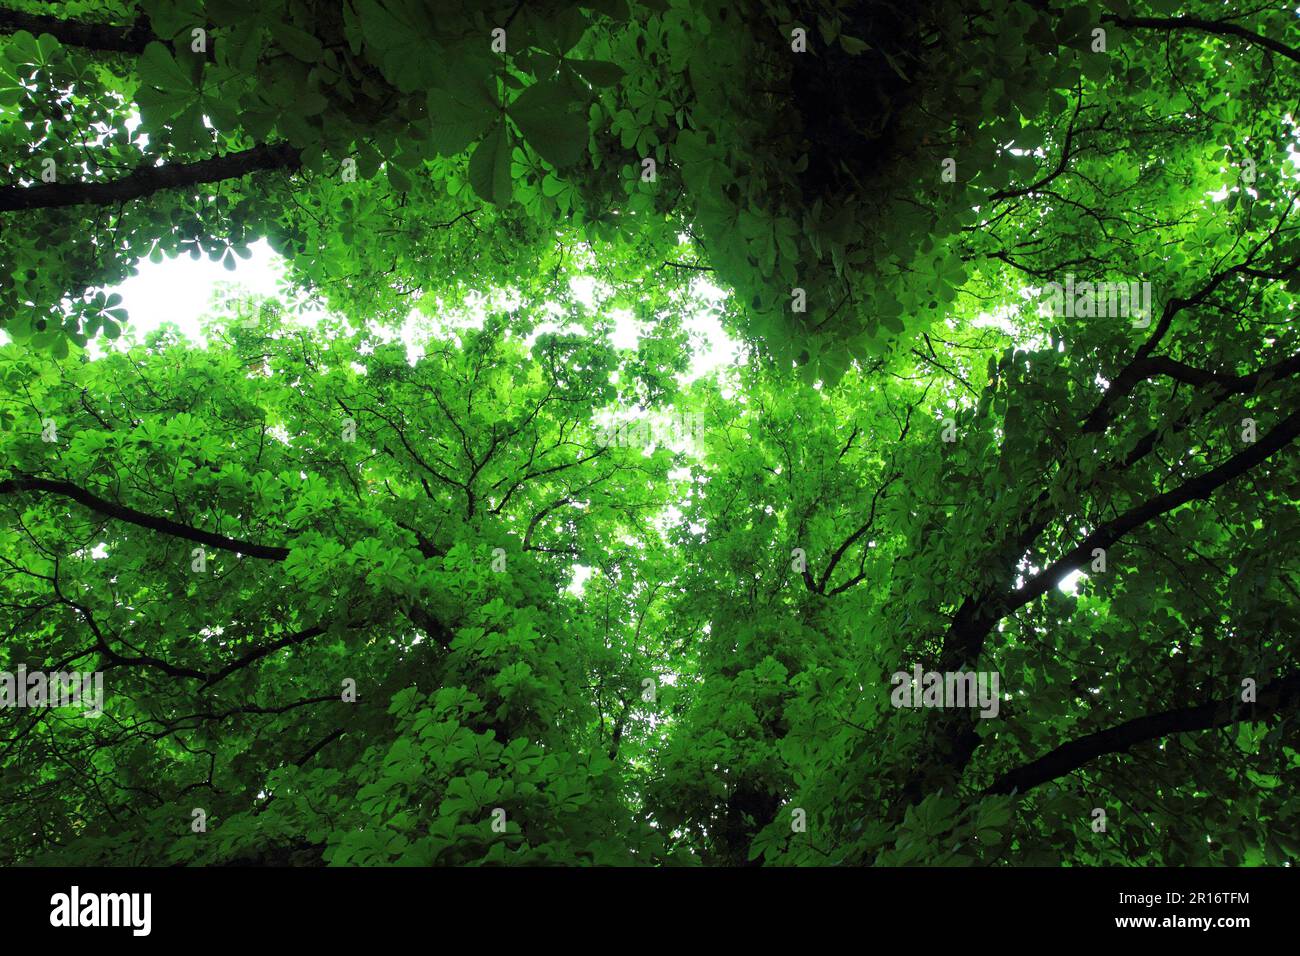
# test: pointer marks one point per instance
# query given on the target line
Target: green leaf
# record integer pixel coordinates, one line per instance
(552, 121)
(598, 72)
(22, 50)
(489, 168)
(458, 118)
(159, 69)
(400, 39)
(397, 179)
(561, 34)
(297, 43)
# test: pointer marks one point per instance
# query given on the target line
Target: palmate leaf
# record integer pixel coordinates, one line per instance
(489, 167)
(159, 69)
(173, 18)
(598, 72)
(401, 38)
(560, 34)
(22, 50)
(553, 122)
(459, 116)
(166, 88)
(298, 43)
(11, 91)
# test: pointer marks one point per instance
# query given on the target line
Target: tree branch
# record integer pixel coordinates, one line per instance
(109, 37)
(1202, 486)
(1206, 26)
(1275, 697)
(849, 541)
(146, 180)
(112, 509)
(979, 614)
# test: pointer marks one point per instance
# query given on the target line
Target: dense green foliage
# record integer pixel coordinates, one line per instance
(328, 579)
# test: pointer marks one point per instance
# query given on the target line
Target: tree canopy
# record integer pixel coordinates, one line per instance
(1016, 281)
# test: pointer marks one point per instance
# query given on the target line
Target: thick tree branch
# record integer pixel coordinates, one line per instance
(1202, 486)
(112, 509)
(108, 37)
(1218, 27)
(1142, 366)
(1275, 697)
(977, 615)
(146, 180)
(418, 615)
(955, 738)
